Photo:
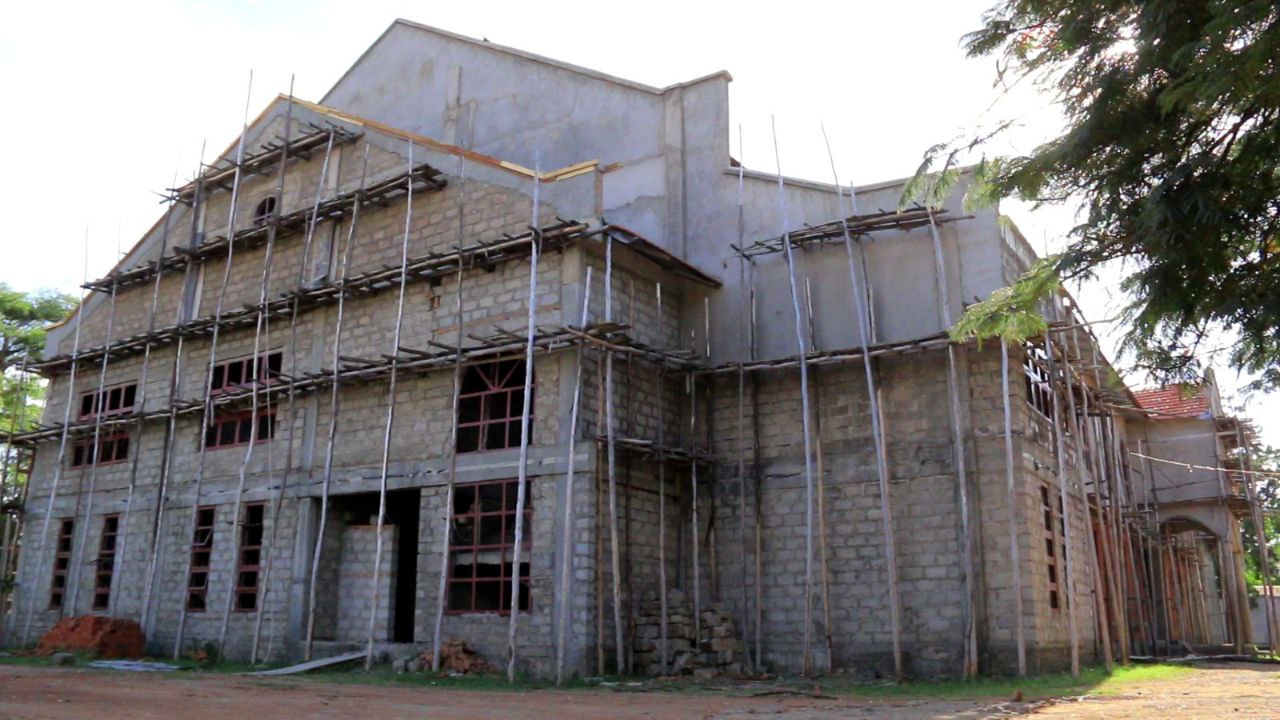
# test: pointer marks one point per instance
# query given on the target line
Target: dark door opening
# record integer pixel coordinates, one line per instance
(402, 511)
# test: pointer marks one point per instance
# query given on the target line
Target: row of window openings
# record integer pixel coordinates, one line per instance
(1053, 529)
(490, 407)
(104, 566)
(227, 376)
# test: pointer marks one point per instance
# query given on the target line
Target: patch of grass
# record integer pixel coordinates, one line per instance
(1093, 681)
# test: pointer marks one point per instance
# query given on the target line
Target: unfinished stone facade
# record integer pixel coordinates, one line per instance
(707, 435)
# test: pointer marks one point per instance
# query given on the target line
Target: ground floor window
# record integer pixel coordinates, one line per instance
(249, 563)
(201, 554)
(61, 561)
(1051, 512)
(106, 562)
(482, 548)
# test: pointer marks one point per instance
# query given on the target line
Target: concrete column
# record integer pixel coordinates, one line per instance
(308, 509)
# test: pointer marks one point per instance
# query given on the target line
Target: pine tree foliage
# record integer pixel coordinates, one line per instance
(1172, 147)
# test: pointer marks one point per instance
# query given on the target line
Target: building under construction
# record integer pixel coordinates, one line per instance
(492, 348)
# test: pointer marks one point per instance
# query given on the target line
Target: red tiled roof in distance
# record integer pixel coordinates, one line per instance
(1181, 401)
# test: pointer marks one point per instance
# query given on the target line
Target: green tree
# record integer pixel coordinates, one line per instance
(1268, 490)
(1171, 147)
(23, 320)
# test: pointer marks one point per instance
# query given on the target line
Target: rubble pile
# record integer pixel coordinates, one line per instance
(101, 636)
(718, 650)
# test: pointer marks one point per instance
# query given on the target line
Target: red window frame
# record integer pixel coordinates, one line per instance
(491, 405)
(61, 562)
(201, 558)
(1051, 515)
(106, 565)
(115, 400)
(237, 374)
(481, 547)
(111, 449)
(1039, 388)
(249, 557)
(233, 429)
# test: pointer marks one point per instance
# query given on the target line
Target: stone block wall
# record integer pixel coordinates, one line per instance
(355, 577)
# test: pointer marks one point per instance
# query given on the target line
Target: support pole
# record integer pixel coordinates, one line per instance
(1073, 632)
(523, 471)
(663, 643)
(822, 489)
(863, 312)
(33, 597)
(391, 417)
(802, 347)
(335, 407)
(566, 520)
(207, 412)
(9, 468)
(451, 483)
(740, 429)
(1015, 562)
(619, 649)
(962, 480)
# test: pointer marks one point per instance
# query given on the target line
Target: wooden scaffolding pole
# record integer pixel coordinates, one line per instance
(32, 596)
(1100, 610)
(1073, 632)
(803, 351)
(1015, 562)
(567, 519)
(92, 457)
(691, 389)
(141, 398)
(155, 538)
(391, 417)
(264, 317)
(522, 477)
(744, 313)
(822, 489)
(451, 482)
(9, 468)
(958, 449)
(619, 648)
(335, 407)
(207, 412)
(660, 458)
(757, 480)
(862, 310)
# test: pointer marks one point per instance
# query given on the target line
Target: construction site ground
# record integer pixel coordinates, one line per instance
(33, 689)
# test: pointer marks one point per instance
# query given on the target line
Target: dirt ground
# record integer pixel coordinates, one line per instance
(1235, 690)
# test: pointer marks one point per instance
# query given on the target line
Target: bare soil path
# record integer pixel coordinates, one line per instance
(1218, 691)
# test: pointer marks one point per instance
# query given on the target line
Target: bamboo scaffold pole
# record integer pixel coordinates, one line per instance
(143, 377)
(9, 468)
(803, 348)
(958, 449)
(374, 582)
(62, 451)
(691, 391)
(566, 520)
(663, 628)
(335, 407)
(281, 487)
(821, 489)
(451, 482)
(207, 390)
(155, 539)
(739, 430)
(862, 311)
(619, 648)
(1015, 562)
(1073, 631)
(757, 478)
(522, 476)
(91, 456)
(1099, 601)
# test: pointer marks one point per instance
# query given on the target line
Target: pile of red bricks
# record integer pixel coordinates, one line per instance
(101, 636)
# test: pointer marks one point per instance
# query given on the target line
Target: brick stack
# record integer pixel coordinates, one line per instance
(100, 636)
(718, 651)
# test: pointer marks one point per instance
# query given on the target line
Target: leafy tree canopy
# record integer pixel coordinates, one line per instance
(1172, 148)
(23, 319)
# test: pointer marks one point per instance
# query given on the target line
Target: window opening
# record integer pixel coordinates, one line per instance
(201, 555)
(490, 405)
(482, 547)
(106, 562)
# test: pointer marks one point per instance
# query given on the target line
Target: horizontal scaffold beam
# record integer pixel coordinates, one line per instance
(424, 178)
(834, 231)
